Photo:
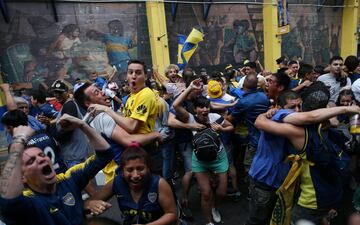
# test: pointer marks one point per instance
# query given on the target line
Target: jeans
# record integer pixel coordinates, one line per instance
(261, 204)
(168, 154)
(249, 156)
(314, 215)
(186, 150)
(156, 162)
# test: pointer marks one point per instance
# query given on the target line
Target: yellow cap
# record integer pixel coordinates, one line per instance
(214, 89)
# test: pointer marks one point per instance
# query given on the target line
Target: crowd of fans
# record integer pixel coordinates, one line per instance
(291, 136)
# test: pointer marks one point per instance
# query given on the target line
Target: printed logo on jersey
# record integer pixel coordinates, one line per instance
(141, 109)
(53, 210)
(69, 199)
(152, 196)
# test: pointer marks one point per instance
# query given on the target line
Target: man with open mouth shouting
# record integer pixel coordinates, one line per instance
(30, 190)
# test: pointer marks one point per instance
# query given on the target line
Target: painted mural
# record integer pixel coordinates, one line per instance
(89, 38)
(100, 38)
(232, 33)
(314, 35)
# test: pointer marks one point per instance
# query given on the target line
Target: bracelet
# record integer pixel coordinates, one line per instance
(21, 139)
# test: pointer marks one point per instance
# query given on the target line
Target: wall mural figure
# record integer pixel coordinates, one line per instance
(210, 49)
(60, 49)
(244, 42)
(302, 41)
(117, 45)
(334, 44)
(39, 51)
(229, 34)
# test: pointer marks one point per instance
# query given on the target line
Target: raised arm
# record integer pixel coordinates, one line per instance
(181, 112)
(68, 122)
(160, 79)
(11, 184)
(222, 106)
(295, 134)
(319, 115)
(10, 103)
(175, 123)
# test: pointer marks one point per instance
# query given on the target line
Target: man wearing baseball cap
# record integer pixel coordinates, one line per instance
(74, 144)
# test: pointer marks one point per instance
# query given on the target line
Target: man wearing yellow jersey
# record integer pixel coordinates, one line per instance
(141, 109)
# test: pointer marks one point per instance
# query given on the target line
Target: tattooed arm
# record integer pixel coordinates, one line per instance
(11, 184)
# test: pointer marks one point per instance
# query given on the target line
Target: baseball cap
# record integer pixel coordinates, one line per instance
(214, 89)
(59, 85)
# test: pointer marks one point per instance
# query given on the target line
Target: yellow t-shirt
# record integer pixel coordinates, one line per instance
(142, 106)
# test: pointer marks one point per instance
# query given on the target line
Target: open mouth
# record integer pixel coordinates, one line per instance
(46, 170)
(205, 114)
(136, 181)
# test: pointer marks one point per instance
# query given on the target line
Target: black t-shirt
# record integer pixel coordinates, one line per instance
(69, 108)
(184, 135)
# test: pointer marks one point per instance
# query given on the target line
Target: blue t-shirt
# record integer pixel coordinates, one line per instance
(268, 166)
(294, 83)
(248, 108)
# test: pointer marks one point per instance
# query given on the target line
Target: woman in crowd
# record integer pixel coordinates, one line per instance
(143, 197)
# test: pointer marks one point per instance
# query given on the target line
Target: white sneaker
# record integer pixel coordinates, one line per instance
(209, 223)
(216, 215)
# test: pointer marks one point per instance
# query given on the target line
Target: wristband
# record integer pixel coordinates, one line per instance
(21, 139)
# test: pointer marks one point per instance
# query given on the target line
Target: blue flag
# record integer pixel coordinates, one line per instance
(187, 46)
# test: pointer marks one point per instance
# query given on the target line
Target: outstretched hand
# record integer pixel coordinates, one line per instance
(216, 127)
(96, 207)
(271, 112)
(196, 84)
(5, 87)
(97, 108)
(353, 109)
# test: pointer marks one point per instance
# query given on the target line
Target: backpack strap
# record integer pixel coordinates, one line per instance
(220, 120)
